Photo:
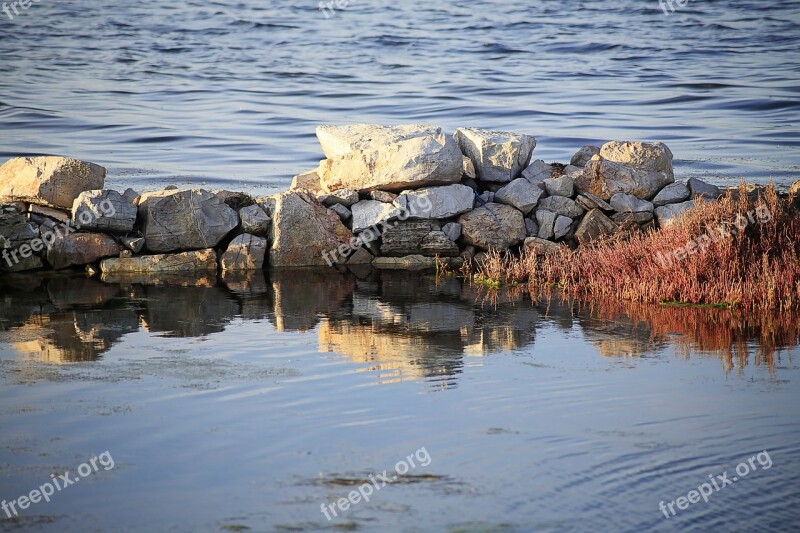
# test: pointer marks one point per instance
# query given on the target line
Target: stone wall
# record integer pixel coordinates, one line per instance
(389, 197)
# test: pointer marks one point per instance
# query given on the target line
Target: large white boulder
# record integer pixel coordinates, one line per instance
(498, 156)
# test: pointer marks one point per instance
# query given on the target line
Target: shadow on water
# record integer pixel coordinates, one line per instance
(399, 325)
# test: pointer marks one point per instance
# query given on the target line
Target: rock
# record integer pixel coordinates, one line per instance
(436, 202)
(521, 194)
(589, 201)
(626, 203)
(487, 197)
(531, 227)
(134, 244)
(415, 262)
(22, 264)
(255, 220)
(569, 170)
(267, 203)
(406, 238)
(382, 196)
(584, 155)
(54, 214)
(653, 157)
(546, 221)
(103, 210)
(245, 252)
(367, 156)
(305, 233)
(674, 193)
(181, 220)
(468, 254)
(368, 213)
(537, 172)
(452, 230)
(15, 229)
(234, 200)
(309, 182)
(498, 156)
(345, 197)
(360, 257)
(639, 217)
(124, 253)
(468, 169)
(562, 206)
(701, 188)
(131, 196)
(195, 261)
(437, 243)
(344, 213)
(562, 227)
(79, 249)
(666, 214)
(594, 226)
(605, 178)
(562, 186)
(493, 227)
(539, 246)
(471, 183)
(50, 181)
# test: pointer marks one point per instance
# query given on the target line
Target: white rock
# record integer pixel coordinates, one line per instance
(368, 213)
(561, 186)
(437, 202)
(673, 193)
(521, 194)
(654, 157)
(498, 156)
(537, 171)
(50, 181)
(345, 197)
(666, 214)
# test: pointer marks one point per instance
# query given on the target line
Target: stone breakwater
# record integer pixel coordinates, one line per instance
(389, 197)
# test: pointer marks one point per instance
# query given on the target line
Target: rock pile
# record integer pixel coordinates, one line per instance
(393, 197)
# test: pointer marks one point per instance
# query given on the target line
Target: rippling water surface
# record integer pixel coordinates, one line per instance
(228, 93)
(244, 402)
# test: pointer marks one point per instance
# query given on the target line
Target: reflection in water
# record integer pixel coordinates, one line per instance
(399, 325)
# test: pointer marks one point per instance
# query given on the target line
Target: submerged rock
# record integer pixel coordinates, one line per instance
(51, 181)
(194, 261)
(498, 156)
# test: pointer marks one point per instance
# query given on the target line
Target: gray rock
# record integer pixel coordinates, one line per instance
(639, 217)
(487, 197)
(562, 206)
(437, 243)
(667, 214)
(674, 193)
(539, 246)
(521, 194)
(305, 233)
(414, 262)
(79, 249)
(39, 211)
(546, 221)
(436, 202)
(344, 213)
(701, 188)
(569, 170)
(562, 227)
(131, 196)
(531, 227)
(365, 157)
(606, 178)
(22, 264)
(134, 244)
(594, 226)
(497, 156)
(255, 220)
(406, 238)
(245, 252)
(452, 230)
(50, 181)
(185, 220)
(103, 210)
(15, 229)
(537, 171)
(493, 227)
(584, 155)
(626, 203)
(561, 186)
(360, 257)
(589, 201)
(345, 197)
(368, 213)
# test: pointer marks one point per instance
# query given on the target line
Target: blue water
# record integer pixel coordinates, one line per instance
(226, 93)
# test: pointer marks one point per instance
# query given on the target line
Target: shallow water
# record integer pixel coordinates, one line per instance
(251, 402)
(227, 94)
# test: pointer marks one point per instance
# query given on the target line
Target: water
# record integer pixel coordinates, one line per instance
(246, 402)
(227, 94)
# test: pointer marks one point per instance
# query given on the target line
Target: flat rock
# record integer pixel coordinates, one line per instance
(498, 156)
(368, 213)
(185, 220)
(79, 249)
(437, 243)
(245, 252)
(594, 226)
(561, 186)
(546, 221)
(406, 238)
(103, 210)
(21, 264)
(589, 201)
(436, 202)
(584, 155)
(255, 220)
(364, 157)
(59, 215)
(50, 181)
(308, 182)
(562, 206)
(345, 197)
(493, 227)
(194, 261)
(674, 193)
(520, 193)
(627, 203)
(537, 172)
(701, 188)
(415, 262)
(640, 217)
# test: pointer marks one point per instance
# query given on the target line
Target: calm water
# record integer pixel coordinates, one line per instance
(228, 93)
(246, 402)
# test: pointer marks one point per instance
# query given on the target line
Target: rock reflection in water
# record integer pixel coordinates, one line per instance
(399, 325)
